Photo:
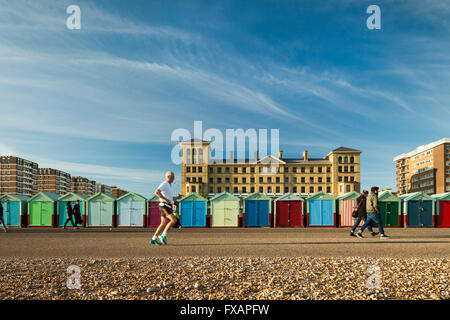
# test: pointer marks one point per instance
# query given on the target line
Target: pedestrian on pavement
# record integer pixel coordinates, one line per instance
(373, 214)
(77, 213)
(2, 220)
(69, 214)
(362, 214)
(166, 199)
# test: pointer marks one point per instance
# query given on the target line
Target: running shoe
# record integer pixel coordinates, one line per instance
(383, 236)
(374, 234)
(359, 235)
(155, 242)
(352, 234)
(162, 239)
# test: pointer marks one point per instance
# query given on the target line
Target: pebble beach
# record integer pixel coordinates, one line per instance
(215, 278)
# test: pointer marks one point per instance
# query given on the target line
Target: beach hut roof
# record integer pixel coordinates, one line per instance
(441, 196)
(290, 197)
(72, 196)
(321, 196)
(14, 197)
(386, 195)
(132, 194)
(193, 197)
(154, 198)
(349, 196)
(44, 196)
(257, 196)
(415, 196)
(102, 196)
(224, 196)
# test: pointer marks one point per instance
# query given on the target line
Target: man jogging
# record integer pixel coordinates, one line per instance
(166, 199)
(362, 213)
(373, 214)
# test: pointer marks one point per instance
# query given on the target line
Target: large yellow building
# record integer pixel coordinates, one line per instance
(336, 173)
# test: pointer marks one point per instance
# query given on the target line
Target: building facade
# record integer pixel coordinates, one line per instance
(117, 192)
(103, 188)
(83, 185)
(336, 173)
(18, 176)
(427, 169)
(54, 181)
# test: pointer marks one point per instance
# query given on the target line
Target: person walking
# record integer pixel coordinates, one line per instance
(373, 214)
(166, 199)
(2, 220)
(69, 214)
(77, 213)
(362, 214)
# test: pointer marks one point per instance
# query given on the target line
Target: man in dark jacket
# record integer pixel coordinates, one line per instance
(77, 213)
(69, 215)
(1, 218)
(362, 213)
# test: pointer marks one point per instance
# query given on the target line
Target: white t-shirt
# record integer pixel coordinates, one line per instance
(166, 191)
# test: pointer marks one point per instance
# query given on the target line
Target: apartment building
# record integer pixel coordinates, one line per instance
(18, 176)
(54, 181)
(336, 173)
(117, 192)
(103, 188)
(83, 185)
(426, 168)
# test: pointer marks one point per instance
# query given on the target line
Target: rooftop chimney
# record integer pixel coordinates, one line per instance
(256, 155)
(305, 155)
(231, 156)
(280, 154)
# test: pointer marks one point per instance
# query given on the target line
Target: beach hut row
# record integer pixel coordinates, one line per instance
(226, 210)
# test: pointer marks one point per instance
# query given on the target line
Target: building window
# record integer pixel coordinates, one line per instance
(252, 170)
(286, 180)
(311, 189)
(294, 179)
(347, 188)
(211, 190)
(286, 169)
(211, 180)
(227, 189)
(219, 189)
(260, 180)
(345, 179)
(352, 159)
(328, 179)
(294, 189)
(188, 169)
(187, 179)
(227, 170)
(200, 180)
(277, 190)
(235, 180)
(235, 190)
(303, 180)
(235, 169)
(340, 160)
(261, 189)
(294, 169)
(244, 170)
(193, 189)
(252, 180)
(244, 190)
(303, 170)
(339, 169)
(320, 180)
(200, 169)
(277, 180)
(269, 180)
(319, 169)
(219, 180)
(311, 180)
(311, 169)
(252, 189)
(211, 170)
(340, 179)
(219, 170)
(352, 169)
(328, 169)
(328, 189)
(286, 189)
(319, 188)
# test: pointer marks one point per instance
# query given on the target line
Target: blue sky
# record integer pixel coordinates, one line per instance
(103, 101)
